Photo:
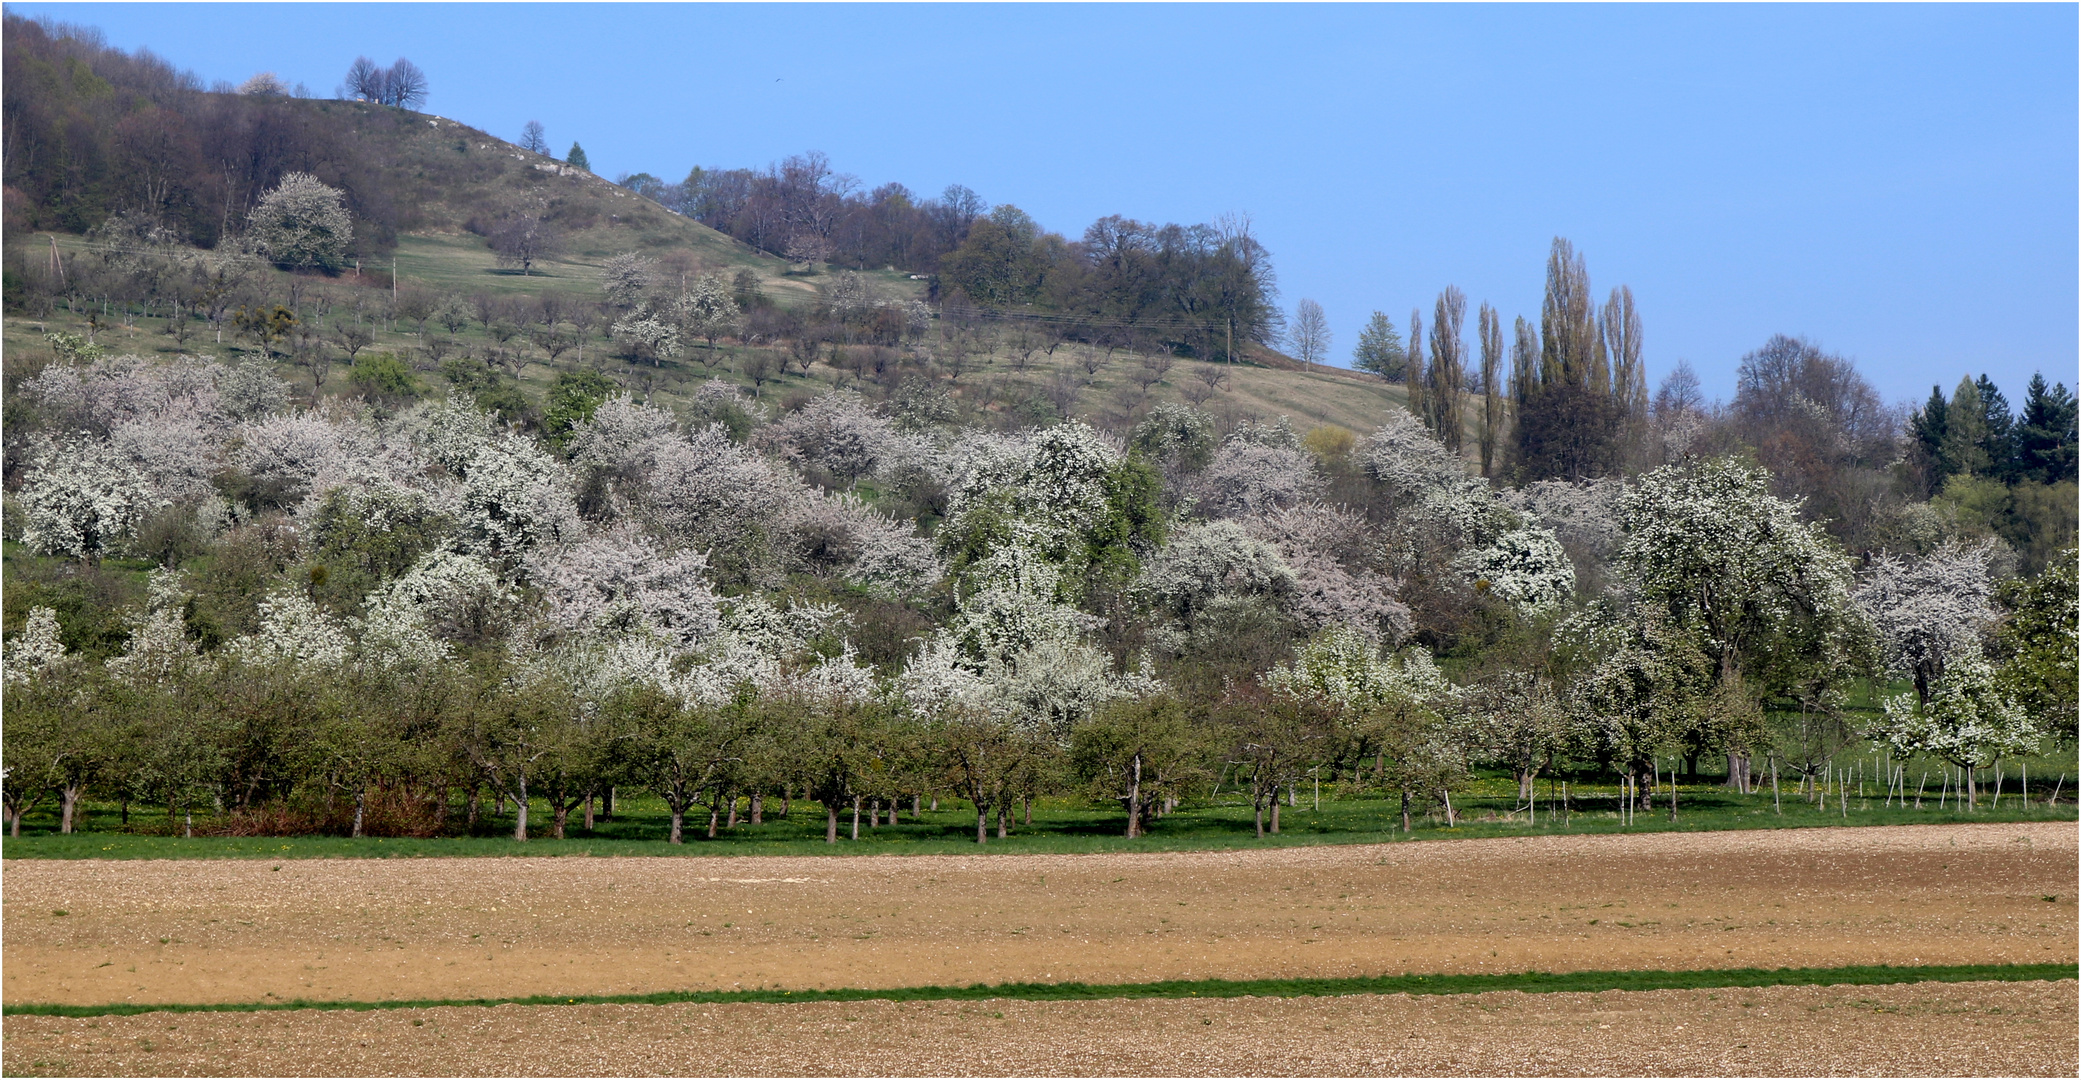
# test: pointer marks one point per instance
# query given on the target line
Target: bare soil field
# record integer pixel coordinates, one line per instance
(92, 932)
(1929, 1029)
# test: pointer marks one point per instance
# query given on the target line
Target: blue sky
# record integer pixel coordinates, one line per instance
(1898, 183)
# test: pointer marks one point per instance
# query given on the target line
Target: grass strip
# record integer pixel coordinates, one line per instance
(1531, 982)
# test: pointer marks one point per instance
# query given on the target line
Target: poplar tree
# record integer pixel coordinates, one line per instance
(1490, 330)
(1448, 374)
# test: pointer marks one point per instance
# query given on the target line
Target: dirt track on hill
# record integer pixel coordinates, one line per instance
(221, 931)
(1930, 1029)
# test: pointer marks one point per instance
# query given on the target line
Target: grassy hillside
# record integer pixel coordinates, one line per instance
(449, 179)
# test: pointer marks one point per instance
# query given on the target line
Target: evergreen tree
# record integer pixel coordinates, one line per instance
(576, 158)
(2045, 433)
(1997, 431)
(1380, 349)
(1928, 428)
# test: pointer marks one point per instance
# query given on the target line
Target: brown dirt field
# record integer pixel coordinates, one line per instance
(1929, 1029)
(364, 929)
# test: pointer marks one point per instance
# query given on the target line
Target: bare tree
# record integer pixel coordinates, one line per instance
(553, 340)
(757, 365)
(414, 305)
(533, 139)
(1063, 391)
(523, 238)
(404, 85)
(1311, 332)
(1093, 362)
(353, 337)
(364, 80)
(1154, 366)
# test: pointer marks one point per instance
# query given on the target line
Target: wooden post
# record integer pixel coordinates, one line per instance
(1775, 799)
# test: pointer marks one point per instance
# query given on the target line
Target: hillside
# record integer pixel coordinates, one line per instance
(454, 178)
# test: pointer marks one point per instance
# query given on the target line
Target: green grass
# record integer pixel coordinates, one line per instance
(1059, 827)
(1531, 982)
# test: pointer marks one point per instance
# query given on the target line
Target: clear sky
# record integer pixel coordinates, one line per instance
(1897, 183)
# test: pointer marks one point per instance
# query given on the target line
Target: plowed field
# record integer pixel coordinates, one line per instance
(1930, 1029)
(233, 931)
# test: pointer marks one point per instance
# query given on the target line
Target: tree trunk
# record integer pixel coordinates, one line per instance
(917, 804)
(589, 798)
(1003, 826)
(982, 824)
(559, 815)
(14, 824)
(1275, 813)
(856, 817)
(733, 810)
(1972, 789)
(714, 816)
(1134, 800)
(831, 823)
(69, 795)
(1026, 809)
(678, 825)
(1405, 810)
(758, 807)
(1258, 807)
(361, 799)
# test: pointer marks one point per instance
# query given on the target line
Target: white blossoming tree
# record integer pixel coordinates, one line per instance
(619, 582)
(515, 499)
(1967, 720)
(1926, 610)
(1248, 478)
(301, 223)
(1761, 593)
(1392, 709)
(83, 498)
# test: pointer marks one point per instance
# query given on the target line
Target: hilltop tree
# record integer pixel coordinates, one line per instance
(577, 159)
(534, 139)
